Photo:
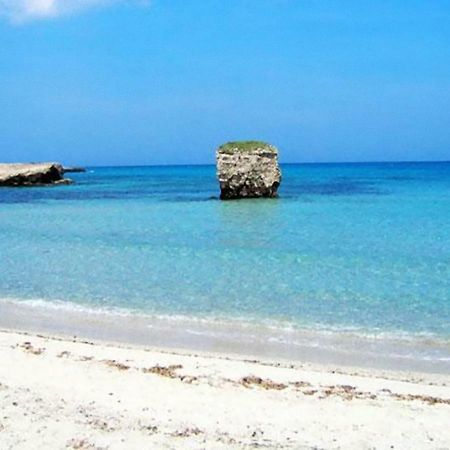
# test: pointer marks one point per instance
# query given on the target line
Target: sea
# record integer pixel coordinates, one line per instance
(349, 265)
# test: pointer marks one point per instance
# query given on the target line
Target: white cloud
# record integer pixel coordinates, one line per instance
(26, 10)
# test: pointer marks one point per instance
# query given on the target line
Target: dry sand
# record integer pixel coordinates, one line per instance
(57, 393)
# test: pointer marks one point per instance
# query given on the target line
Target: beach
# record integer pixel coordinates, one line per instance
(61, 392)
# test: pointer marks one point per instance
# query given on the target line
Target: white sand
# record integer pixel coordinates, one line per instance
(57, 394)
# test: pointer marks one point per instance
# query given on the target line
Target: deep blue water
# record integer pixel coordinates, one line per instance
(346, 246)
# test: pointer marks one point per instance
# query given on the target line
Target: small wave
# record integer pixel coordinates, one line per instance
(63, 305)
(286, 329)
(267, 338)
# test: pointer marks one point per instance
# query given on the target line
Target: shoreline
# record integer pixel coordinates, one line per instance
(58, 392)
(237, 338)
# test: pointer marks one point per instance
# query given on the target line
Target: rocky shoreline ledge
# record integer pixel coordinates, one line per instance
(34, 174)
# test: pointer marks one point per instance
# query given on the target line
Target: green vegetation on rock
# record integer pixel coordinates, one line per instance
(244, 146)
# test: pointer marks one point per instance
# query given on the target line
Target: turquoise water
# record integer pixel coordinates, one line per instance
(359, 247)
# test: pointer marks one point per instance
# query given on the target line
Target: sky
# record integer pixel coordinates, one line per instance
(129, 82)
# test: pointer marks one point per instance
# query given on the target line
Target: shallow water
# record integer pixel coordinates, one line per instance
(360, 248)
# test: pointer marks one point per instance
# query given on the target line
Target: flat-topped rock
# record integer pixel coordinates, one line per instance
(248, 169)
(33, 174)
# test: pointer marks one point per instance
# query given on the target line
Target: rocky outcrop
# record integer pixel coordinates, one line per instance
(34, 174)
(73, 169)
(248, 169)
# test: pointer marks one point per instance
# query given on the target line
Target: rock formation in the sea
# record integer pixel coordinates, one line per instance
(33, 174)
(248, 169)
(73, 169)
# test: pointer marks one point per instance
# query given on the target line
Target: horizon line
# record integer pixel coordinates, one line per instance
(441, 161)
(444, 161)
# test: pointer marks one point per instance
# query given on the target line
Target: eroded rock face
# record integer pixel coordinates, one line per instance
(34, 174)
(248, 170)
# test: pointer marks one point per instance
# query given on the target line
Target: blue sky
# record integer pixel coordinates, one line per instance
(102, 82)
